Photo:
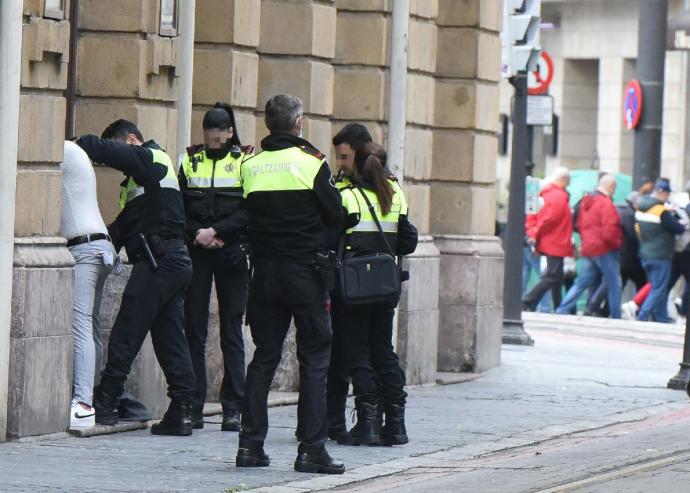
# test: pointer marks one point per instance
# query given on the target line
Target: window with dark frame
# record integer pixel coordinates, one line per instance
(168, 20)
(54, 9)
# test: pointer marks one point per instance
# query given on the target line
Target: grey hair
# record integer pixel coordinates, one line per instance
(282, 112)
(559, 174)
(606, 179)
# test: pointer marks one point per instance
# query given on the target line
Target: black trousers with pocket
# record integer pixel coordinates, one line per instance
(231, 289)
(278, 292)
(153, 301)
(552, 280)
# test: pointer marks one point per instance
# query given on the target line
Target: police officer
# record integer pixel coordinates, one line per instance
(291, 199)
(352, 137)
(151, 228)
(369, 356)
(216, 233)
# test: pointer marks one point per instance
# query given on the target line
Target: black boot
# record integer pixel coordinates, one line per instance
(252, 457)
(366, 431)
(231, 421)
(105, 406)
(393, 432)
(319, 463)
(177, 420)
(197, 417)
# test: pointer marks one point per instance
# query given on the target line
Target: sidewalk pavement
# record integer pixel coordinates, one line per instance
(571, 380)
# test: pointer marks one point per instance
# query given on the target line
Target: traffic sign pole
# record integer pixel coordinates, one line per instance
(513, 326)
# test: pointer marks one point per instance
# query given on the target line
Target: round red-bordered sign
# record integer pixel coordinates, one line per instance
(632, 104)
(543, 75)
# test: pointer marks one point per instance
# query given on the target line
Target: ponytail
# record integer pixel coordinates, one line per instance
(370, 166)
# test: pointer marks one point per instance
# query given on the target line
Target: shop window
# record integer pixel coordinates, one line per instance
(54, 9)
(168, 26)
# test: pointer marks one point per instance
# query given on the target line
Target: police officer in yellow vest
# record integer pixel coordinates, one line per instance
(291, 200)
(369, 356)
(216, 227)
(151, 228)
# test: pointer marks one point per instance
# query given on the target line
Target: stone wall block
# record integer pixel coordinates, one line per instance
(417, 345)
(114, 63)
(462, 209)
(471, 13)
(420, 99)
(33, 7)
(467, 104)
(424, 8)
(479, 57)
(225, 75)
(39, 195)
(41, 129)
(360, 94)
(311, 81)
(418, 153)
(157, 78)
(419, 202)
(422, 46)
(228, 21)
(362, 39)
(119, 15)
(461, 155)
(421, 292)
(304, 28)
(365, 5)
(45, 54)
(40, 386)
(318, 132)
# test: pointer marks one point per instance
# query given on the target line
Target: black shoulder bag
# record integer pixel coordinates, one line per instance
(368, 277)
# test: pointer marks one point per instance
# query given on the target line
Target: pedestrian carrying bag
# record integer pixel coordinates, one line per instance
(368, 277)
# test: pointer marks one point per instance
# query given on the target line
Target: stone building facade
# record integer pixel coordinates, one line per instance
(85, 63)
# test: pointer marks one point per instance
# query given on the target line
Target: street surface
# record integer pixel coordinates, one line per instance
(583, 410)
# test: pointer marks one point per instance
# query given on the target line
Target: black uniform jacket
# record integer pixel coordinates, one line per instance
(159, 211)
(292, 225)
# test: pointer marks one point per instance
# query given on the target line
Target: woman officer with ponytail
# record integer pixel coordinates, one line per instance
(216, 234)
(370, 359)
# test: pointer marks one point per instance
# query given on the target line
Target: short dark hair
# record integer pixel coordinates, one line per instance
(282, 112)
(355, 135)
(120, 129)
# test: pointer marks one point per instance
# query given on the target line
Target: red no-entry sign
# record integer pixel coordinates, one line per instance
(540, 80)
(632, 104)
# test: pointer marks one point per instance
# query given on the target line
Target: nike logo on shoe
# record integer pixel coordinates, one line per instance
(81, 416)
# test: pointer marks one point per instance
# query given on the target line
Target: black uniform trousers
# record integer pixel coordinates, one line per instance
(552, 280)
(369, 355)
(231, 289)
(278, 292)
(338, 382)
(153, 301)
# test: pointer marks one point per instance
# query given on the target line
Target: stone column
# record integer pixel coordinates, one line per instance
(462, 188)
(611, 129)
(40, 376)
(226, 68)
(418, 316)
(127, 69)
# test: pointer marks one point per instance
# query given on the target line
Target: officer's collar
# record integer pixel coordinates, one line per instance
(276, 142)
(151, 144)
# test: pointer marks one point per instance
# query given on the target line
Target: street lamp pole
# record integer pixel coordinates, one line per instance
(513, 326)
(681, 379)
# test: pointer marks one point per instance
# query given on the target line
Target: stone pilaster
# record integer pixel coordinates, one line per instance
(462, 187)
(40, 377)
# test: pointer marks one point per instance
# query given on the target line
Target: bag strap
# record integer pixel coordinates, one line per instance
(372, 211)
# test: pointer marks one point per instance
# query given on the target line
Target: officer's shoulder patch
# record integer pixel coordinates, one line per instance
(247, 149)
(392, 177)
(195, 149)
(247, 157)
(312, 151)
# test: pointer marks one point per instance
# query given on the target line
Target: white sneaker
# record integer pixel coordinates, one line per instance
(629, 310)
(81, 416)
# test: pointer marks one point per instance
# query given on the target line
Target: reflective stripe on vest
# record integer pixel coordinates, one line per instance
(132, 189)
(225, 173)
(354, 203)
(283, 170)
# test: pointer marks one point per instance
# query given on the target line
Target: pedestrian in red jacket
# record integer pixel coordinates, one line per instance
(552, 236)
(599, 225)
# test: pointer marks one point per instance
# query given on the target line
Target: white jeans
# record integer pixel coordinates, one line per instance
(94, 262)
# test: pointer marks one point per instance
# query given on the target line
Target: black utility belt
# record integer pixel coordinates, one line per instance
(87, 239)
